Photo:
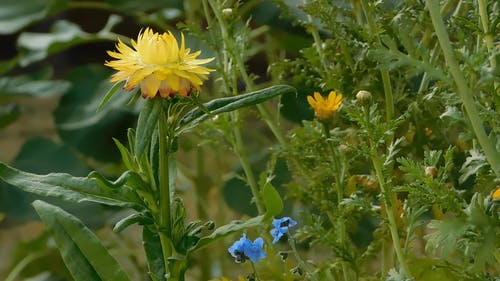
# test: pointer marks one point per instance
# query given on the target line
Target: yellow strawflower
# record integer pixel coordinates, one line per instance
(156, 64)
(496, 194)
(324, 109)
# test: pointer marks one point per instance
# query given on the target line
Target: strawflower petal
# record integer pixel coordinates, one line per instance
(158, 65)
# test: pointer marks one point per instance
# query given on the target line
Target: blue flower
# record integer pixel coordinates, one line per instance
(281, 227)
(253, 250)
(246, 249)
(237, 250)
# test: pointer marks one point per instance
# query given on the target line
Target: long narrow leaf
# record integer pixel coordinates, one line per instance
(154, 254)
(221, 105)
(69, 188)
(226, 230)
(148, 118)
(83, 254)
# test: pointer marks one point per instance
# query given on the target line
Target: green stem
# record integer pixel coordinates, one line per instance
(389, 99)
(300, 261)
(339, 178)
(165, 216)
(463, 90)
(387, 197)
(240, 150)
(20, 266)
(488, 38)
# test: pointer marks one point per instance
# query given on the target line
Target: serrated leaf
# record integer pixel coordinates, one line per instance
(445, 235)
(69, 188)
(472, 164)
(82, 252)
(148, 120)
(228, 104)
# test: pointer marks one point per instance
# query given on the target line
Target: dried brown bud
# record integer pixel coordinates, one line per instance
(364, 97)
(431, 171)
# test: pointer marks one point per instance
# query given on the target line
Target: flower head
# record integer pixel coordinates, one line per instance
(246, 249)
(254, 250)
(324, 109)
(157, 64)
(281, 227)
(496, 194)
(237, 250)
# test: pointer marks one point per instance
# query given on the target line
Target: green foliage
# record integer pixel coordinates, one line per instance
(19, 14)
(85, 257)
(69, 188)
(407, 169)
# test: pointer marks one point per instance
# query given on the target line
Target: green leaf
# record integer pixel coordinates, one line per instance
(272, 200)
(227, 104)
(130, 220)
(25, 85)
(8, 114)
(34, 47)
(82, 252)
(7, 65)
(17, 14)
(69, 188)
(226, 230)
(78, 123)
(154, 254)
(472, 165)
(148, 119)
(110, 93)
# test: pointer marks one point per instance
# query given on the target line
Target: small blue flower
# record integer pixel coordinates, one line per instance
(254, 250)
(244, 249)
(281, 227)
(237, 250)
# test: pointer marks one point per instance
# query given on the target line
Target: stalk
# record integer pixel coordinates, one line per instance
(165, 215)
(463, 91)
(339, 179)
(386, 194)
(389, 99)
(488, 38)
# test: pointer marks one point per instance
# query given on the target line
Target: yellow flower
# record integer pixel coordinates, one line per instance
(155, 63)
(324, 109)
(496, 194)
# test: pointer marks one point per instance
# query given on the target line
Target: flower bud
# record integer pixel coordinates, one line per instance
(227, 12)
(431, 171)
(364, 97)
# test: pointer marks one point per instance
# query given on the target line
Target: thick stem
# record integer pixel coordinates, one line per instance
(463, 90)
(165, 219)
